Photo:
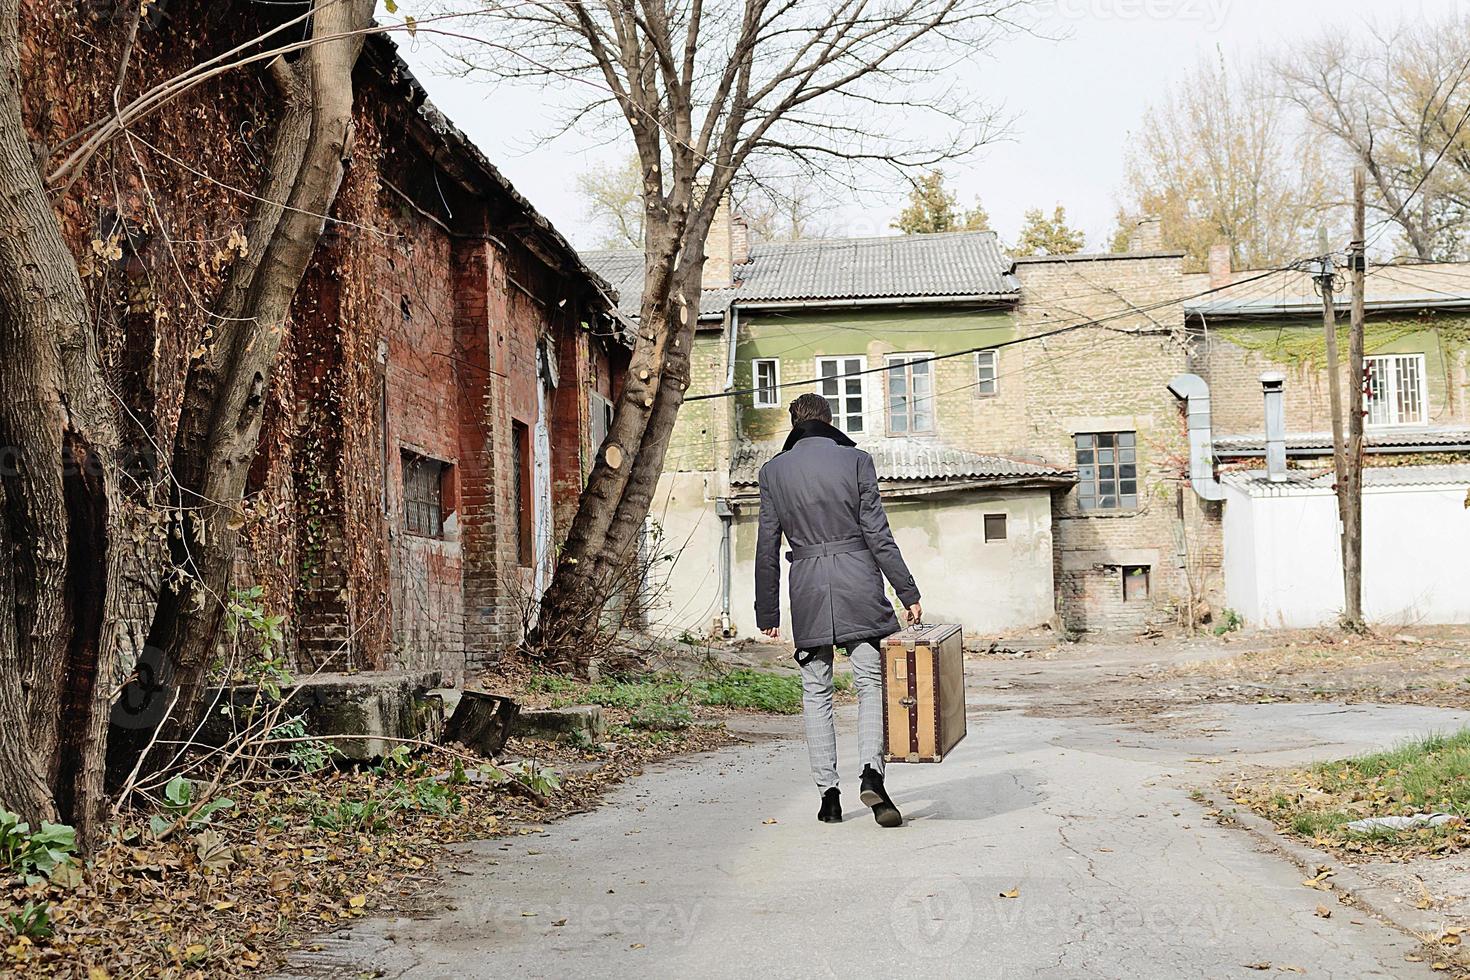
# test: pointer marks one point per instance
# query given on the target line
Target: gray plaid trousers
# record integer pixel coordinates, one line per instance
(816, 709)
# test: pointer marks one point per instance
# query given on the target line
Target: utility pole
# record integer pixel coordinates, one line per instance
(1326, 272)
(1352, 507)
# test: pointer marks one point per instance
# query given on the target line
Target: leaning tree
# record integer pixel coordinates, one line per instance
(709, 92)
(64, 538)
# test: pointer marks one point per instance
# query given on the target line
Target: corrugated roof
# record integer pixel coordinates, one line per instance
(381, 45)
(1426, 437)
(1454, 474)
(900, 460)
(1435, 285)
(968, 264)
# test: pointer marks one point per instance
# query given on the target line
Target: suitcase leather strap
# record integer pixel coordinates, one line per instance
(913, 701)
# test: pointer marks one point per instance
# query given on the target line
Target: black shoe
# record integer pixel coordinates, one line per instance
(831, 811)
(875, 796)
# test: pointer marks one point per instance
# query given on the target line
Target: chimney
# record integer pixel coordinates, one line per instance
(739, 241)
(718, 244)
(1148, 236)
(1221, 272)
(1272, 383)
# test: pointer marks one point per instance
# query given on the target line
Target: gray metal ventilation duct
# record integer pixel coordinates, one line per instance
(1196, 394)
(1272, 383)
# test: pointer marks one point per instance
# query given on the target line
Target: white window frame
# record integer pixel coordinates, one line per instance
(982, 357)
(905, 360)
(766, 397)
(842, 415)
(1386, 377)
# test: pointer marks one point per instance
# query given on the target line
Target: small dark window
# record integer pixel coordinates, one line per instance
(1107, 471)
(995, 527)
(520, 481)
(1135, 583)
(423, 495)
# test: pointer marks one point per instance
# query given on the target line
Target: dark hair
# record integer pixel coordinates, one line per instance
(810, 407)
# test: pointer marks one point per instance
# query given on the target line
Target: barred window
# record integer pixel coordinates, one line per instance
(1107, 471)
(423, 495)
(1393, 389)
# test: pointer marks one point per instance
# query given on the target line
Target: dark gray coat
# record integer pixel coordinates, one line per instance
(823, 496)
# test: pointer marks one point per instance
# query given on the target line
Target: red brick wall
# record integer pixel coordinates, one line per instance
(415, 299)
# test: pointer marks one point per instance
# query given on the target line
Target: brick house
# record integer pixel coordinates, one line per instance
(1029, 480)
(447, 373)
(1281, 551)
(1056, 415)
(495, 356)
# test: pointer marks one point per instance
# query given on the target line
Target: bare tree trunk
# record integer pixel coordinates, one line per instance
(224, 394)
(577, 590)
(59, 504)
(621, 542)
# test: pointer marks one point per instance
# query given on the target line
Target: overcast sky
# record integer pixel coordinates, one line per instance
(1074, 99)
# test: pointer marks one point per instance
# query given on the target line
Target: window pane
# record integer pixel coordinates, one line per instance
(1104, 455)
(923, 420)
(897, 382)
(828, 369)
(1127, 471)
(1084, 442)
(1104, 439)
(995, 527)
(1084, 456)
(1125, 438)
(1129, 501)
(855, 424)
(1107, 502)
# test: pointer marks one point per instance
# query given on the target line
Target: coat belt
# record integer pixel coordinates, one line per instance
(798, 552)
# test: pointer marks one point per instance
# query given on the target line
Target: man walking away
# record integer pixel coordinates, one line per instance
(821, 491)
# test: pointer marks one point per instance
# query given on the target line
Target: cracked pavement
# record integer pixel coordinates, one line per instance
(714, 866)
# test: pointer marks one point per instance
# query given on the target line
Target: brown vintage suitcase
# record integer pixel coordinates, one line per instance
(923, 693)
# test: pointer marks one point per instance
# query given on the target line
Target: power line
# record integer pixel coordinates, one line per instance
(1383, 225)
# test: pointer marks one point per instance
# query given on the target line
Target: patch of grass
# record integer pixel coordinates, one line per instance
(742, 688)
(1427, 774)
(752, 689)
(662, 718)
(1423, 776)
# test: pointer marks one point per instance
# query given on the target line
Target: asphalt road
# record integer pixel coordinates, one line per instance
(716, 867)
